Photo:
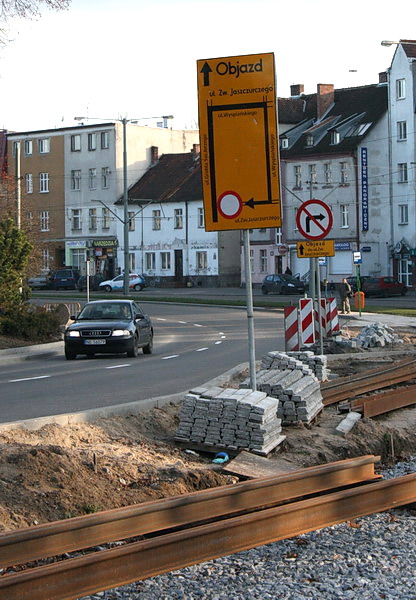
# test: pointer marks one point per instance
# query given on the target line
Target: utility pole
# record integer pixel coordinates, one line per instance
(126, 278)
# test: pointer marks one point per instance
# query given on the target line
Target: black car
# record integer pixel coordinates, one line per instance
(65, 279)
(109, 327)
(282, 284)
(95, 281)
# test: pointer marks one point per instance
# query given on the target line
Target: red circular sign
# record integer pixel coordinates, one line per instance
(230, 204)
(314, 219)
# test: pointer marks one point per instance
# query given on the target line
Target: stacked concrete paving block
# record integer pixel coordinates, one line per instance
(230, 418)
(318, 363)
(293, 383)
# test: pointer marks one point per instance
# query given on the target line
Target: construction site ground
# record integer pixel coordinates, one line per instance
(58, 472)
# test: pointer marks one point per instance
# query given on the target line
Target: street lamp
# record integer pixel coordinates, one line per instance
(125, 221)
(403, 42)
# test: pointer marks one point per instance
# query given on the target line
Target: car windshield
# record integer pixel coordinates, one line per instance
(110, 310)
(291, 279)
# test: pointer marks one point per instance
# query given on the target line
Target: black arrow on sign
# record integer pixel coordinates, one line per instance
(252, 203)
(206, 70)
(308, 220)
(301, 248)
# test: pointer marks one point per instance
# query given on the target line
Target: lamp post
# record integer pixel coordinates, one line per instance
(124, 121)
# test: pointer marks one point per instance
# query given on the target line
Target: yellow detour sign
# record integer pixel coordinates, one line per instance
(239, 143)
(315, 248)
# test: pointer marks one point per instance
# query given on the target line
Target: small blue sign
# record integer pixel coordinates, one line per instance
(342, 245)
(366, 249)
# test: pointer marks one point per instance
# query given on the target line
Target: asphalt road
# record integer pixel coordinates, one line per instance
(193, 344)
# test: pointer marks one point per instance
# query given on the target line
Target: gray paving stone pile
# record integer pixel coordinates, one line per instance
(373, 560)
(375, 335)
(293, 383)
(231, 419)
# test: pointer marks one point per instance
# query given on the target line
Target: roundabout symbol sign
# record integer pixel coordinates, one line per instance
(314, 219)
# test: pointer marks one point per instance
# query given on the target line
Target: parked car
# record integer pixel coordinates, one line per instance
(383, 286)
(40, 282)
(109, 327)
(65, 279)
(282, 284)
(353, 282)
(137, 283)
(95, 281)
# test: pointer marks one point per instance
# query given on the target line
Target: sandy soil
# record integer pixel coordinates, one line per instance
(58, 472)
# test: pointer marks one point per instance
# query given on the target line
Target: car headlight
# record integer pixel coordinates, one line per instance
(120, 332)
(290, 285)
(73, 334)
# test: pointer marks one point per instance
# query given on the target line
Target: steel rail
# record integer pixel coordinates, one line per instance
(51, 539)
(334, 383)
(379, 404)
(82, 576)
(366, 383)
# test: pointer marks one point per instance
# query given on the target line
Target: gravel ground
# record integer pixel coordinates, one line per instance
(373, 558)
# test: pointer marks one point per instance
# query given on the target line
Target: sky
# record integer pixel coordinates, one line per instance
(109, 59)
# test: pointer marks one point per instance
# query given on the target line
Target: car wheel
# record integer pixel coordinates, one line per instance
(148, 349)
(134, 352)
(264, 290)
(70, 355)
(138, 287)
(107, 288)
(403, 292)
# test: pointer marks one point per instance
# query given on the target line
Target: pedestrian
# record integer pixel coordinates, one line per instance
(288, 271)
(345, 293)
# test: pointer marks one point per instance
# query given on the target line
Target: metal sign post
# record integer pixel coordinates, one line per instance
(250, 313)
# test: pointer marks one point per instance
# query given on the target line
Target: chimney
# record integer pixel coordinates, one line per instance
(324, 98)
(382, 77)
(296, 89)
(154, 155)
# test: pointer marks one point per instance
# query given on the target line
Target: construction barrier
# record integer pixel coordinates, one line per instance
(306, 322)
(291, 328)
(332, 322)
(320, 318)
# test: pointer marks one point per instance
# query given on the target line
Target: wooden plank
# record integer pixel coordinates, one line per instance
(253, 466)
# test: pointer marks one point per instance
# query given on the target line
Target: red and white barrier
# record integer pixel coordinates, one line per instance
(306, 322)
(320, 317)
(291, 328)
(332, 322)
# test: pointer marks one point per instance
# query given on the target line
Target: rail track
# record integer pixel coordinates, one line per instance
(182, 531)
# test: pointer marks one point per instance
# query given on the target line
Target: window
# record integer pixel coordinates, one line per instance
(44, 145)
(156, 220)
(105, 177)
(92, 141)
(178, 218)
(400, 89)
(284, 142)
(402, 172)
(132, 262)
(279, 236)
(45, 258)
(327, 173)
(76, 180)
(165, 258)
(263, 261)
(29, 183)
(92, 219)
(76, 143)
(150, 261)
(335, 137)
(76, 219)
(312, 173)
(309, 140)
(403, 214)
(44, 220)
(298, 176)
(401, 131)
(28, 147)
(344, 172)
(43, 183)
(78, 257)
(105, 140)
(344, 215)
(29, 217)
(106, 218)
(201, 219)
(92, 179)
(132, 222)
(201, 261)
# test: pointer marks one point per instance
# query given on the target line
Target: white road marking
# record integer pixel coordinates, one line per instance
(196, 325)
(216, 343)
(168, 357)
(223, 337)
(182, 322)
(29, 378)
(119, 366)
(160, 319)
(201, 349)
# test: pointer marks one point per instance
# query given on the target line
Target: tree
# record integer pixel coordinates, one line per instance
(15, 251)
(25, 9)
